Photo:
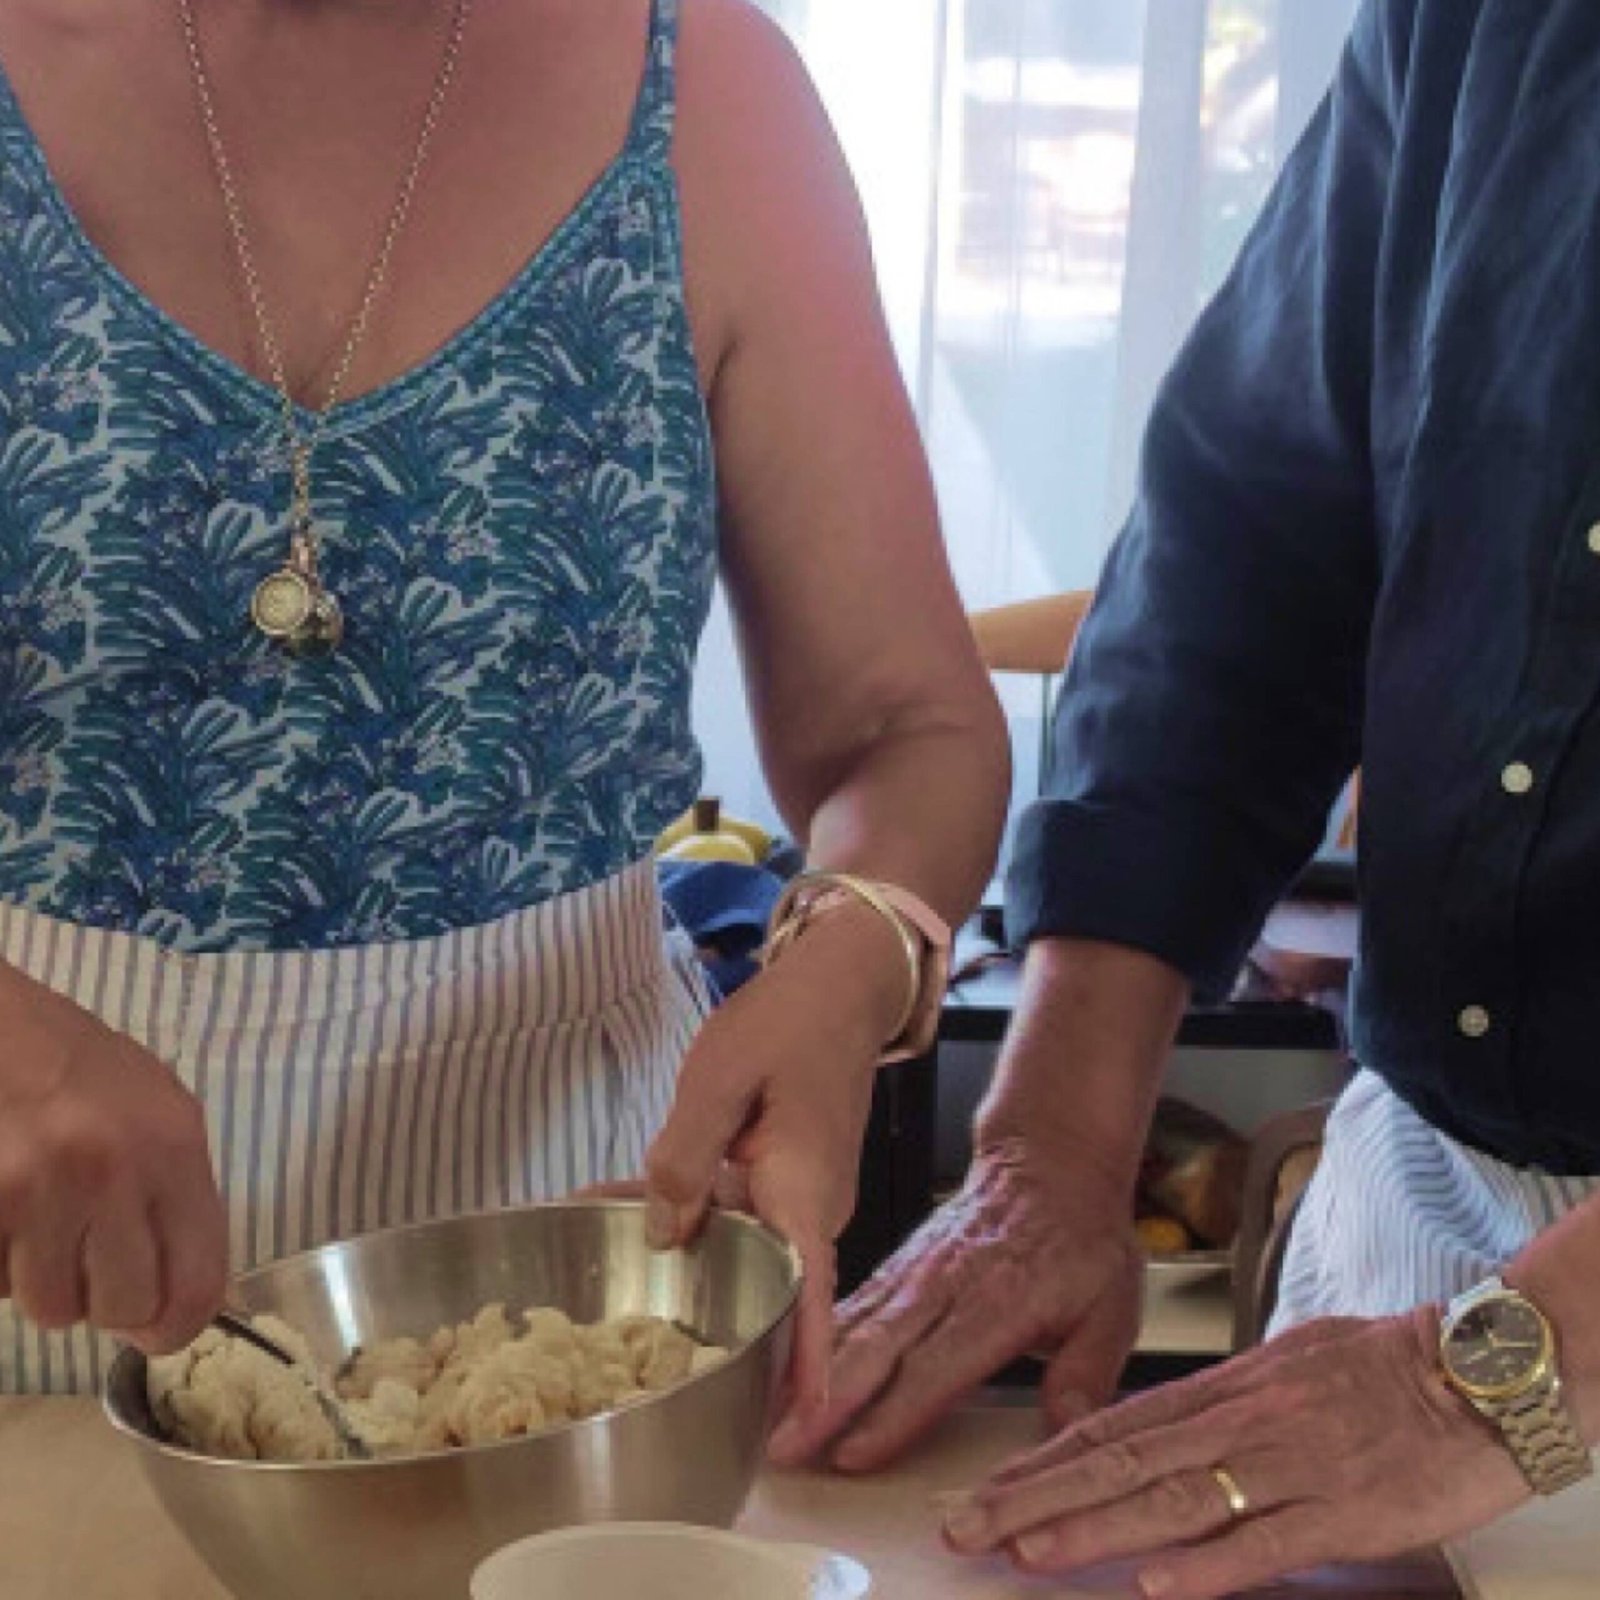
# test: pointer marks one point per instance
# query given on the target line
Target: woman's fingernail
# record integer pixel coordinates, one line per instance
(660, 1223)
(1156, 1582)
(1036, 1548)
(809, 1409)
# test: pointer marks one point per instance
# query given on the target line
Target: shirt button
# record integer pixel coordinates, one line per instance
(1473, 1022)
(1517, 778)
(1594, 538)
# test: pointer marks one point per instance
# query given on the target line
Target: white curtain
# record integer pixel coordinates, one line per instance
(1054, 188)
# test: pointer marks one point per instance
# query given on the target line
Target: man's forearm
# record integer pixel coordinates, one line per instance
(1560, 1273)
(1082, 1063)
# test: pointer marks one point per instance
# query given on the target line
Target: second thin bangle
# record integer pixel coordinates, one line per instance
(805, 897)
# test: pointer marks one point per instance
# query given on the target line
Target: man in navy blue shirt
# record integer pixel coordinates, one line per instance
(1368, 533)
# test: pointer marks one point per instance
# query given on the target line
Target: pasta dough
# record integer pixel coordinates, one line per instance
(475, 1383)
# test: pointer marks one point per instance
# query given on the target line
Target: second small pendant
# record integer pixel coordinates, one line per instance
(319, 634)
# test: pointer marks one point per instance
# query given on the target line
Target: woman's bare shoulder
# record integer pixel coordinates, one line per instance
(755, 147)
(732, 53)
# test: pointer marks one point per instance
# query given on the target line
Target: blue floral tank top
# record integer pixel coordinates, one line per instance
(521, 531)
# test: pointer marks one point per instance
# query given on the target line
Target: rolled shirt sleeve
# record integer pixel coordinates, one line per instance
(1213, 705)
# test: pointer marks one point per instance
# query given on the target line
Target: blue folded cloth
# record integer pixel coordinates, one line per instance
(725, 907)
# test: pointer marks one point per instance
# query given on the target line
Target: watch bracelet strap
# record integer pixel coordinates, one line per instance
(1540, 1433)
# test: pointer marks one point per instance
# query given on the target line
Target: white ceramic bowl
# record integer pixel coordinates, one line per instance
(665, 1561)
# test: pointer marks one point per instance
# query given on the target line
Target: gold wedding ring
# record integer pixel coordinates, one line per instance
(1238, 1500)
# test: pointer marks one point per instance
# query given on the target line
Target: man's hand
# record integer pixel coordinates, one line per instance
(1034, 1255)
(1342, 1436)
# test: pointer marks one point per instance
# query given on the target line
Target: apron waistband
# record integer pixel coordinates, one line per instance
(555, 962)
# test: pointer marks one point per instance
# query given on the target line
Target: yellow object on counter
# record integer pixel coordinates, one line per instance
(705, 833)
(1163, 1236)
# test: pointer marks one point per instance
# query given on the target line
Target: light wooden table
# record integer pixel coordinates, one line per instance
(1550, 1550)
(887, 1524)
(77, 1523)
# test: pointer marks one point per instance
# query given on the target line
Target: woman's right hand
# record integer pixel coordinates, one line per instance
(1036, 1254)
(109, 1212)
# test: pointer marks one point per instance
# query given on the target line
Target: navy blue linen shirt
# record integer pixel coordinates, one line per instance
(1369, 532)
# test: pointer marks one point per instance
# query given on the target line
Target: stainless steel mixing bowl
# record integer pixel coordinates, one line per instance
(414, 1529)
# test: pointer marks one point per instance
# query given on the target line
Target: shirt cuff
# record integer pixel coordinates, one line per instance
(1189, 894)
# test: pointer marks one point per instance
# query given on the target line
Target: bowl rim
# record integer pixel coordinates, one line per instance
(181, 1453)
(783, 1553)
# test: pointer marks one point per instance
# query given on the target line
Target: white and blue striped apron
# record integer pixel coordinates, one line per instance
(1400, 1215)
(353, 1089)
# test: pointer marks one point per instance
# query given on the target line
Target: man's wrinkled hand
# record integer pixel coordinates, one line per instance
(1034, 1256)
(1342, 1436)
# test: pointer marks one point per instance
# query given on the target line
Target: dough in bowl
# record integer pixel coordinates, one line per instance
(478, 1382)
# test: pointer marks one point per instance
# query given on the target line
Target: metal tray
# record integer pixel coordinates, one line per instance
(1185, 1267)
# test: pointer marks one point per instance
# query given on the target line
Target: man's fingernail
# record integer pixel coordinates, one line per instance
(966, 1523)
(660, 1223)
(785, 1439)
(1156, 1582)
(1036, 1548)
(1071, 1407)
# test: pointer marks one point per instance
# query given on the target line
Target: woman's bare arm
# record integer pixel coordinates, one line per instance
(879, 730)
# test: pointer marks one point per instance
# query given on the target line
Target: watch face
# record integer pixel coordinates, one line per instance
(1497, 1347)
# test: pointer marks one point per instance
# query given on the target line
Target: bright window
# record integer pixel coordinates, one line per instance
(1054, 188)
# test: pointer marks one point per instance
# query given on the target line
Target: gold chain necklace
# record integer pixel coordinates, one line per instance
(292, 604)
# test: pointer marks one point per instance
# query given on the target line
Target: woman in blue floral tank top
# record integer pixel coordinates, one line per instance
(311, 930)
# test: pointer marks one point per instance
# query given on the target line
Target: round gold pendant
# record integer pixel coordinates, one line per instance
(283, 603)
(323, 628)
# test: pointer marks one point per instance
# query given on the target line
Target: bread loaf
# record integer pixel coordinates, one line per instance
(1194, 1170)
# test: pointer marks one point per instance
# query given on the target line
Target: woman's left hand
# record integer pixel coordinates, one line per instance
(771, 1109)
(1342, 1436)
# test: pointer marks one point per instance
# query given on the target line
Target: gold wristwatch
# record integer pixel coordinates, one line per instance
(1498, 1351)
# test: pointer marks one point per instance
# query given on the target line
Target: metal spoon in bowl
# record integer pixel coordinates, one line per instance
(351, 1445)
